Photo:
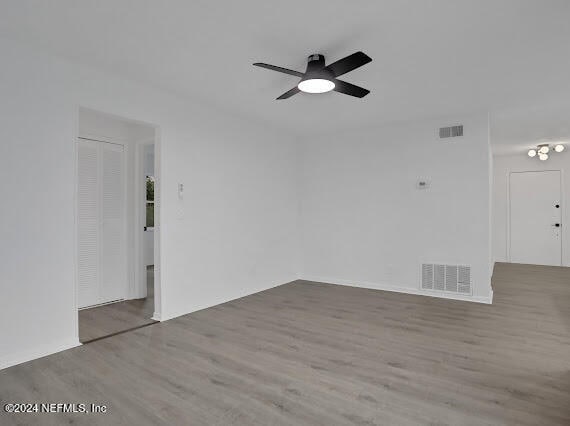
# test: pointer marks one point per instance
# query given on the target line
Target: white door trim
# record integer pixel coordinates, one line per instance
(75, 150)
(157, 316)
(139, 289)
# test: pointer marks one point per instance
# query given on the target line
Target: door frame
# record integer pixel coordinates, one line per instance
(562, 209)
(157, 315)
(139, 286)
(137, 249)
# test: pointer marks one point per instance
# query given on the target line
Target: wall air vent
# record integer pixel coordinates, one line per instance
(451, 132)
(446, 278)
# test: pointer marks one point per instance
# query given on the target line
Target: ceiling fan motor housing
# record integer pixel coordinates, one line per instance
(316, 68)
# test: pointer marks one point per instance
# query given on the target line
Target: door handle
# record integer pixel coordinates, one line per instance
(556, 225)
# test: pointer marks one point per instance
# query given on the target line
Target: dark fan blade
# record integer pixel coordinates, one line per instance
(350, 89)
(351, 62)
(290, 93)
(279, 69)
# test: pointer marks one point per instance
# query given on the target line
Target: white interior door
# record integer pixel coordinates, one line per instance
(535, 218)
(101, 226)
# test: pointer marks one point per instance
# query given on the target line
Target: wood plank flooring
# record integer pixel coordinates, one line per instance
(95, 323)
(318, 354)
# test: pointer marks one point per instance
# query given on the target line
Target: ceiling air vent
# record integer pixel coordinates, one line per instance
(450, 132)
(446, 278)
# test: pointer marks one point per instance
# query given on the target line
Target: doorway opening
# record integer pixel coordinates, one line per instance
(117, 225)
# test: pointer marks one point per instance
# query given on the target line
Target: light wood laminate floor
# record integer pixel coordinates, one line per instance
(317, 354)
(101, 321)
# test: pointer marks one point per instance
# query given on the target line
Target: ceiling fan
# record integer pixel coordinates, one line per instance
(319, 78)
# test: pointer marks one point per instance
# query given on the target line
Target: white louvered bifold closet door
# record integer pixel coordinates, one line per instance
(101, 227)
(113, 273)
(87, 223)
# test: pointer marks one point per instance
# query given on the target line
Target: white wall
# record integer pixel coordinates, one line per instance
(249, 190)
(234, 233)
(100, 125)
(503, 165)
(365, 223)
(148, 247)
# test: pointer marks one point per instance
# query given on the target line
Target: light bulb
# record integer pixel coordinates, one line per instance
(559, 148)
(543, 157)
(544, 149)
(316, 85)
(531, 152)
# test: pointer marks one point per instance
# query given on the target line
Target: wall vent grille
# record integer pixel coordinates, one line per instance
(448, 278)
(451, 132)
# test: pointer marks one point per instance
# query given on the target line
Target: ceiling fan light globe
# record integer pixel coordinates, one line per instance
(532, 153)
(543, 157)
(316, 85)
(544, 149)
(559, 148)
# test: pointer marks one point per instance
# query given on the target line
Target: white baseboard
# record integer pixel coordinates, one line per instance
(37, 352)
(178, 313)
(401, 289)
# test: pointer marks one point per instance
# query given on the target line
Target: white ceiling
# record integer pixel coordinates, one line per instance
(430, 58)
(515, 131)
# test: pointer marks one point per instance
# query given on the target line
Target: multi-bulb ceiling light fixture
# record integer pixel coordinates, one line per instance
(542, 151)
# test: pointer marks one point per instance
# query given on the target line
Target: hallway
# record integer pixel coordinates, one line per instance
(107, 320)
